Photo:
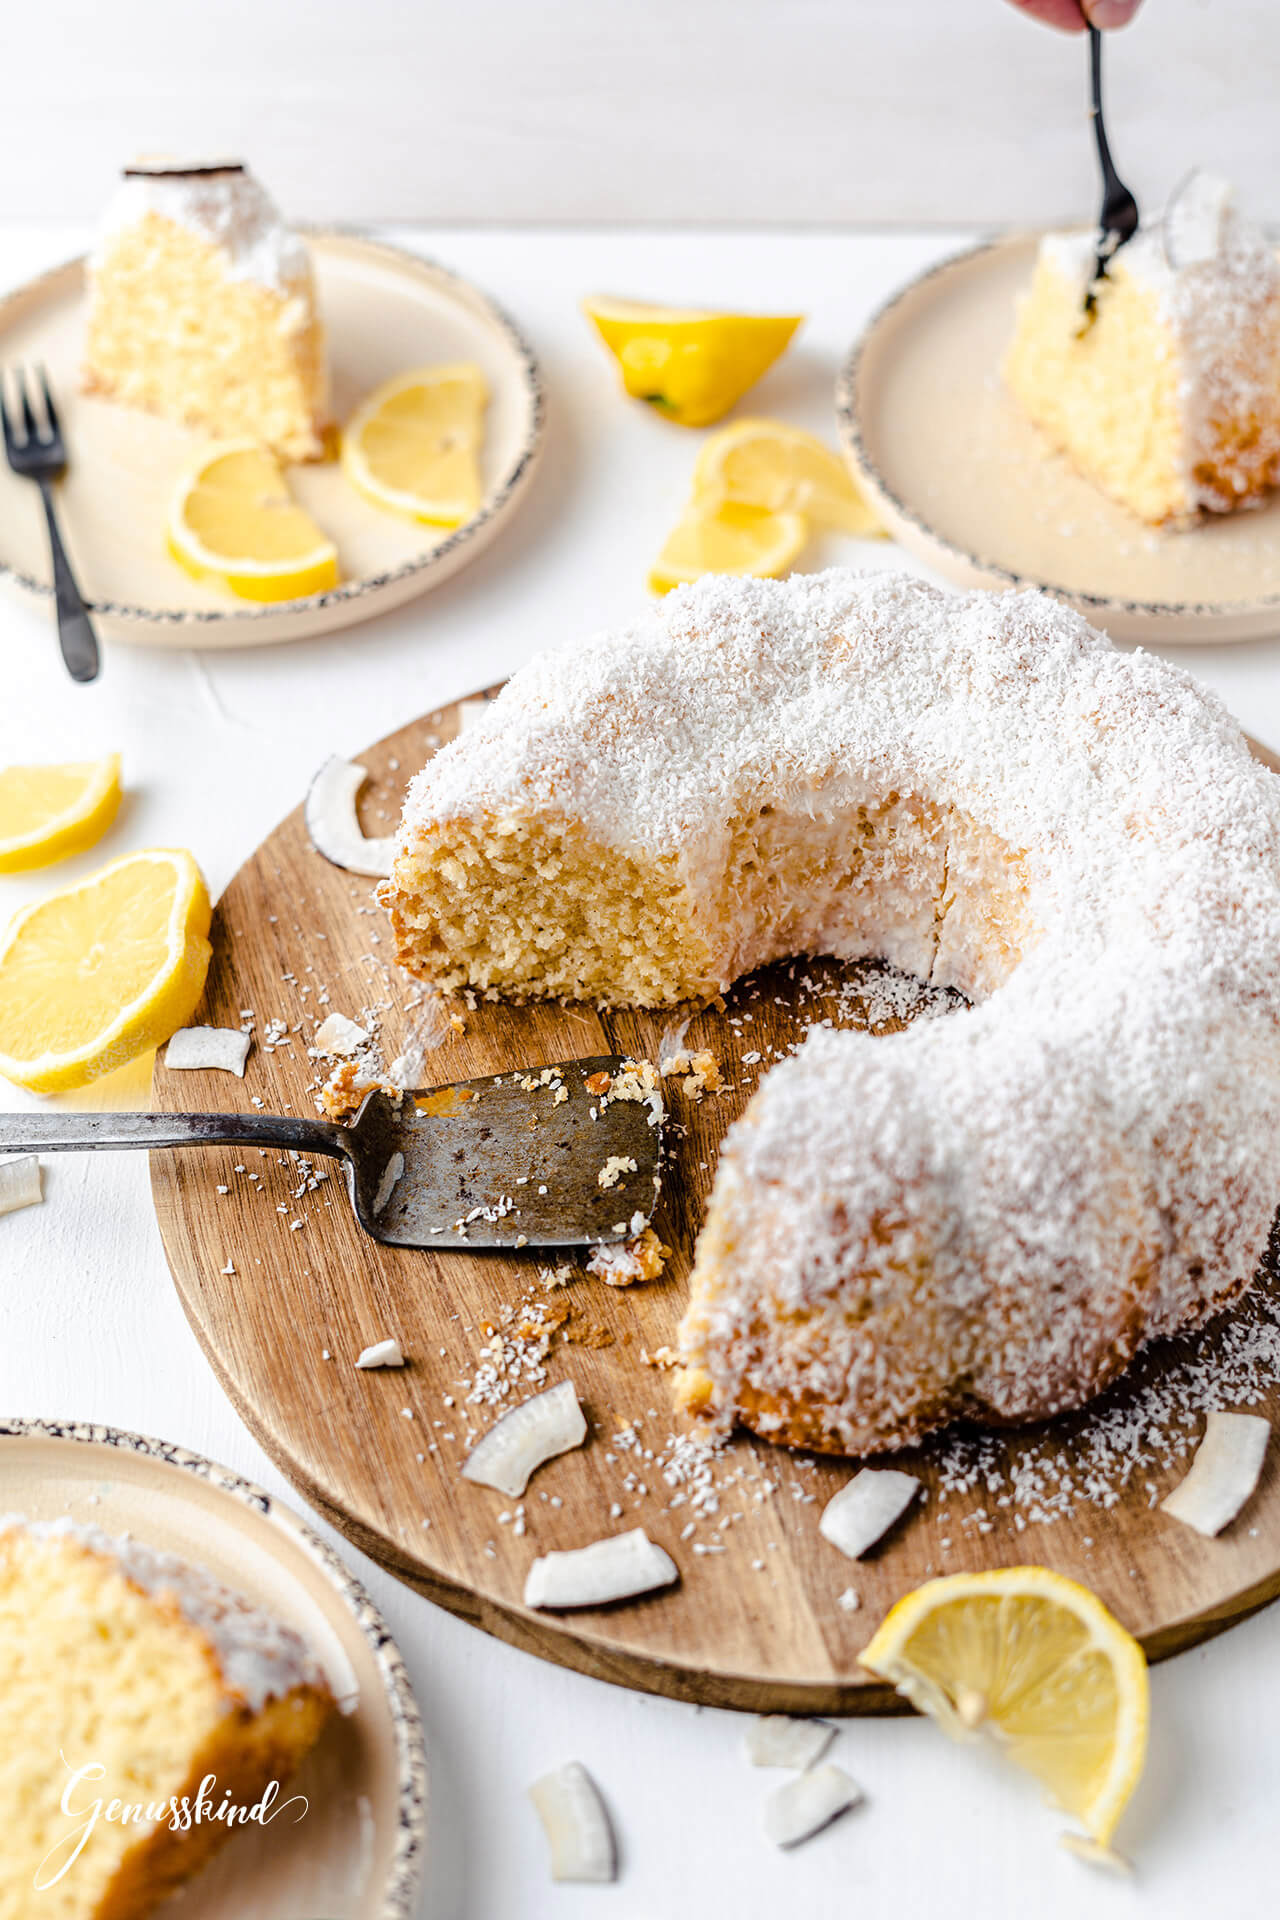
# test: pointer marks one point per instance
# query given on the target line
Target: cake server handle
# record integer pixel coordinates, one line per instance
(85, 1132)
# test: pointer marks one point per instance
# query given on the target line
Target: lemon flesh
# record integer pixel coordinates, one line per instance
(102, 971)
(1037, 1661)
(728, 538)
(766, 463)
(689, 365)
(47, 813)
(233, 519)
(413, 447)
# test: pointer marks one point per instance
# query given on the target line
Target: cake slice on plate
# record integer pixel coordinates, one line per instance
(1168, 398)
(149, 1675)
(202, 307)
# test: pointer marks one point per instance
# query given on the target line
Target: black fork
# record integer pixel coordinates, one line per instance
(41, 455)
(1118, 221)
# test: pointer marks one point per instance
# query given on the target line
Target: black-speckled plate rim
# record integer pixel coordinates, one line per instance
(934, 547)
(404, 1881)
(512, 483)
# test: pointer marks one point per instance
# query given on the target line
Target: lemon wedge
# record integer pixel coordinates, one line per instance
(1037, 1661)
(47, 813)
(233, 519)
(688, 364)
(103, 970)
(766, 463)
(728, 538)
(414, 445)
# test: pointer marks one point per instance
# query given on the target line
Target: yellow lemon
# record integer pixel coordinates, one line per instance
(1037, 1661)
(728, 538)
(766, 463)
(102, 970)
(233, 519)
(47, 813)
(414, 445)
(688, 364)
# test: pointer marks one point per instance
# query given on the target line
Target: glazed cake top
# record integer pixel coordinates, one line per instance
(260, 1658)
(224, 204)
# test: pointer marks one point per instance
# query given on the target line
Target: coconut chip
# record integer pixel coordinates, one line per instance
(1223, 1474)
(618, 1568)
(576, 1823)
(621, 1263)
(776, 1740)
(384, 1353)
(334, 825)
(864, 1510)
(525, 1439)
(219, 1049)
(339, 1036)
(20, 1183)
(805, 1805)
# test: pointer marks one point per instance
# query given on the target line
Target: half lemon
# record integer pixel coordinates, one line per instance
(689, 364)
(728, 538)
(766, 463)
(47, 813)
(234, 520)
(413, 447)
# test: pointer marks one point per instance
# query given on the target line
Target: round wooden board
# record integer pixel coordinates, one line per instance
(385, 310)
(962, 479)
(282, 1310)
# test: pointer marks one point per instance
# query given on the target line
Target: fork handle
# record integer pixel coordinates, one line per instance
(80, 1132)
(76, 636)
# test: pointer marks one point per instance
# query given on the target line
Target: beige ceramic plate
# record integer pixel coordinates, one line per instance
(385, 310)
(358, 1853)
(965, 482)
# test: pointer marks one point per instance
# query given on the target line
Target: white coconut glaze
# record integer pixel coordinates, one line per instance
(228, 207)
(260, 1658)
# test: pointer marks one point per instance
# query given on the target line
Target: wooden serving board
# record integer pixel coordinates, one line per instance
(283, 1291)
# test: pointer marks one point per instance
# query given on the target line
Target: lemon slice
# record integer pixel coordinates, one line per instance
(1037, 1661)
(688, 364)
(47, 813)
(414, 445)
(233, 519)
(728, 538)
(102, 970)
(766, 463)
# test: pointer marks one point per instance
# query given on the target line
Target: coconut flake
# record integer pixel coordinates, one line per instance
(383, 1353)
(390, 1180)
(525, 1439)
(864, 1510)
(334, 825)
(340, 1036)
(217, 1049)
(576, 1823)
(776, 1740)
(805, 1805)
(20, 1183)
(1095, 1854)
(618, 1568)
(1223, 1474)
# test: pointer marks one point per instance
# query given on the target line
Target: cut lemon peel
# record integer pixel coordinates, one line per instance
(102, 971)
(50, 812)
(413, 447)
(233, 520)
(688, 364)
(1037, 1660)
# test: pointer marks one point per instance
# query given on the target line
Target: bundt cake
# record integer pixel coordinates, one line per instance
(1169, 398)
(983, 1215)
(128, 1678)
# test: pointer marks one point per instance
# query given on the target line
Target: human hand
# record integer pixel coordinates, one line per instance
(1073, 16)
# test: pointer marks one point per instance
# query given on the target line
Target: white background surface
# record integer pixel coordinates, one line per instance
(216, 750)
(803, 111)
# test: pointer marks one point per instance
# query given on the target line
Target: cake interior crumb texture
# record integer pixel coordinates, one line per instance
(202, 308)
(986, 1215)
(1168, 399)
(134, 1662)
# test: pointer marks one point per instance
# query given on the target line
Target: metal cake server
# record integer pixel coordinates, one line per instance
(508, 1161)
(1118, 221)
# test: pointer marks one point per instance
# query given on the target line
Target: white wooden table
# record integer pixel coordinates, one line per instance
(216, 748)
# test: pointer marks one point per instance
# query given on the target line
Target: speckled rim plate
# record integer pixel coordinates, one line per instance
(385, 310)
(966, 484)
(370, 1767)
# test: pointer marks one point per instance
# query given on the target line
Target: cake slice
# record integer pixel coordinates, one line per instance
(1168, 399)
(146, 1670)
(202, 307)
